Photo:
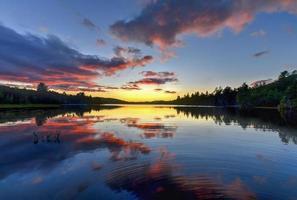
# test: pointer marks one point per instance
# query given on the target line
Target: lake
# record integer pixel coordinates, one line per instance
(147, 152)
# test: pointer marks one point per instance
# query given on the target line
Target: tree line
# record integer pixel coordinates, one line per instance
(13, 95)
(282, 93)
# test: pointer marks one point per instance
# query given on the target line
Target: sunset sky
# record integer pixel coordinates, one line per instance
(141, 50)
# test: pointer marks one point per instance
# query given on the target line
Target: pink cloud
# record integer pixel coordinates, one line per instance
(161, 21)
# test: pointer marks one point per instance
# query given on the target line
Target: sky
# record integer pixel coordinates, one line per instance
(144, 50)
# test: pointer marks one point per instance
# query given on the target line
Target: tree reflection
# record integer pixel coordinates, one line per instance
(285, 124)
(41, 115)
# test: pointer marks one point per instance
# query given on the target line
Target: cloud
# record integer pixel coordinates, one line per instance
(111, 88)
(161, 21)
(261, 53)
(170, 92)
(100, 42)
(89, 24)
(152, 78)
(259, 33)
(154, 81)
(130, 86)
(32, 59)
(127, 52)
(86, 89)
(158, 89)
(155, 78)
(157, 74)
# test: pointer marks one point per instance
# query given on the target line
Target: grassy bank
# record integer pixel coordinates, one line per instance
(20, 106)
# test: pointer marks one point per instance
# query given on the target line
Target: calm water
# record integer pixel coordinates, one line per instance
(146, 152)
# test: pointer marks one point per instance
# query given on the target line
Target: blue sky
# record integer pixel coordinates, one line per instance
(222, 57)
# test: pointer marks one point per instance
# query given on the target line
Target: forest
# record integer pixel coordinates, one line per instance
(42, 95)
(281, 93)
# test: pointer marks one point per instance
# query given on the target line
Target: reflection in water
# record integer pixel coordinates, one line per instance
(147, 153)
(77, 134)
(46, 138)
(152, 129)
(262, 119)
(160, 180)
(41, 115)
(119, 148)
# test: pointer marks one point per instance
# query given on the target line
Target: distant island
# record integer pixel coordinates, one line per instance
(281, 93)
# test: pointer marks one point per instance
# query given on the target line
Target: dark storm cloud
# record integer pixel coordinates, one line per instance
(161, 21)
(261, 53)
(32, 59)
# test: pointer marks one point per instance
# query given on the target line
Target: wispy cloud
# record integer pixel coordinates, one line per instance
(260, 54)
(170, 92)
(259, 33)
(154, 81)
(86, 22)
(153, 78)
(127, 51)
(157, 74)
(100, 42)
(130, 86)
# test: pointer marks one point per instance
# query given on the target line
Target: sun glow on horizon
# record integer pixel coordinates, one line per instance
(132, 95)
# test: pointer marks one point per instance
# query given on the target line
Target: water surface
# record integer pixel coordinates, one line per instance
(147, 152)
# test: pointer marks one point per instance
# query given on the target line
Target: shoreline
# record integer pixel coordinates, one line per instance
(37, 106)
(28, 106)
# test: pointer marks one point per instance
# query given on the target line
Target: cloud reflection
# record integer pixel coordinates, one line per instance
(151, 129)
(161, 179)
(21, 152)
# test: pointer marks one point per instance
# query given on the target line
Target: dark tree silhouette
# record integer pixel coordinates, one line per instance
(283, 74)
(282, 92)
(42, 87)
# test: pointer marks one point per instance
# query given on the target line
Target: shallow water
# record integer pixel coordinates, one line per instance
(147, 152)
